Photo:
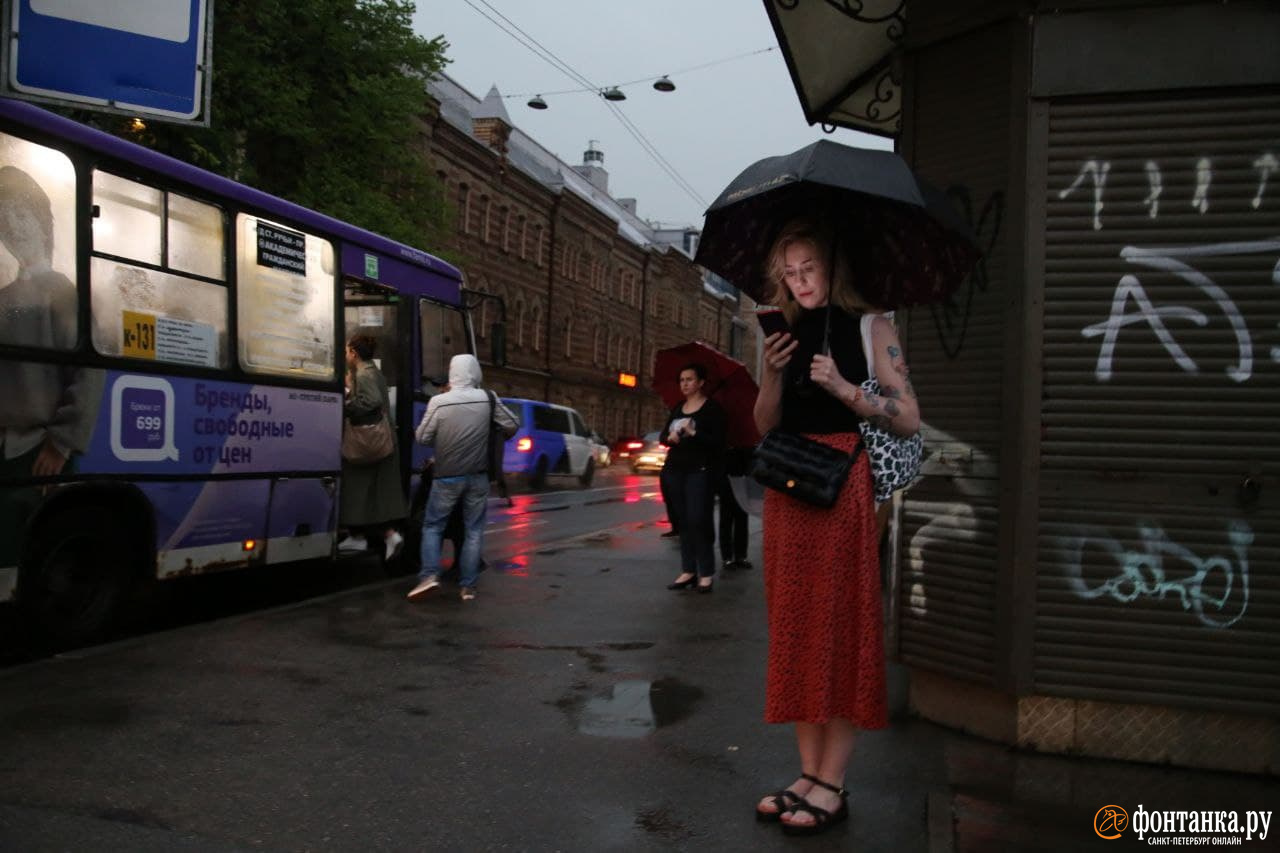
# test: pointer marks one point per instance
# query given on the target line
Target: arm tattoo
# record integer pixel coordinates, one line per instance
(891, 408)
(892, 392)
(880, 422)
(894, 352)
(874, 400)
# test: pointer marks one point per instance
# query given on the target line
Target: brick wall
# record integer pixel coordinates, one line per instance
(583, 303)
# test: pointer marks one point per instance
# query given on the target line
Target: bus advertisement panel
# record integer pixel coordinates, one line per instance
(172, 363)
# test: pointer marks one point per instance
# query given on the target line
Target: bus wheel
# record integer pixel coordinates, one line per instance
(588, 473)
(77, 576)
(538, 479)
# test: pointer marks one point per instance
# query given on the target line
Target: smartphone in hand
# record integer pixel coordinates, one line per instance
(772, 320)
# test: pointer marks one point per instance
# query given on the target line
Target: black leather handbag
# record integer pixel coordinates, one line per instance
(805, 469)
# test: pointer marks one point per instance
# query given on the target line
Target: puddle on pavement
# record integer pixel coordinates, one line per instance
(635, 708)
(517, 566)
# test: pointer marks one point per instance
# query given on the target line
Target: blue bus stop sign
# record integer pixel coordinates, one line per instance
(143, 57)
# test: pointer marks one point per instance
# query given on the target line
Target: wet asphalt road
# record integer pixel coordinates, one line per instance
(533, 520)
(577, 705)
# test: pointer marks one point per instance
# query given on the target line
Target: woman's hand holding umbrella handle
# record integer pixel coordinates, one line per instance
(825, 374)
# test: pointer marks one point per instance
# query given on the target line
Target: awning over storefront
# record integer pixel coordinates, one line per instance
(843, 58)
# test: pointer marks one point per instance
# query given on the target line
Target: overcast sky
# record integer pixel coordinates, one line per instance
(718, 120)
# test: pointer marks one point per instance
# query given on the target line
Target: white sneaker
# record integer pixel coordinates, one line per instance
(424, 588)
(353, 544)
(394, 540)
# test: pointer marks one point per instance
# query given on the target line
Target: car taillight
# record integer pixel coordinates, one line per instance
(634, 445)
(524, 445)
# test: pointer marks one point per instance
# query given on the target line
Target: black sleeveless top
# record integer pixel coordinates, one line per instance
(805, 406)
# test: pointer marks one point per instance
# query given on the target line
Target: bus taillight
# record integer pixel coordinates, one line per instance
(524, 445)
(249, 545)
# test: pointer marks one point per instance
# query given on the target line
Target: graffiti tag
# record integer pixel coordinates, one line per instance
(1095, 172)
(1162, 569)
(1174, 260)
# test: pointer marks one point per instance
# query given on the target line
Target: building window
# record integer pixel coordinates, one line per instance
(486, 219)
(735, 341)
(536, 327)
(538, 245)
(568, 338)
(520, 321)
(504, 216)
(464, 208)
(523, 237)
(597, 349)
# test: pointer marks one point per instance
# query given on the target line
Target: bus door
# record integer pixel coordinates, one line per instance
(376, 310)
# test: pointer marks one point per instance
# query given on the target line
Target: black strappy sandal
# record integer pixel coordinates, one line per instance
(822, 819)
(784, 801)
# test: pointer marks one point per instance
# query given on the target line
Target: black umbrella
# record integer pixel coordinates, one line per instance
(902, 253)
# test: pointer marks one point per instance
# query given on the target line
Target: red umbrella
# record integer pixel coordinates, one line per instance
(728, 383)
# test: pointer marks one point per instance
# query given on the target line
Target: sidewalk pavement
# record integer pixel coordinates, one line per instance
(576, 705)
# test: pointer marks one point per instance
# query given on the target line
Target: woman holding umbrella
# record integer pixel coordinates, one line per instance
(825, 669)
(695, 432)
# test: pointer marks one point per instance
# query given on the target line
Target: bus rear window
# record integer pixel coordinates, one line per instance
(286, 284)
(37, 246)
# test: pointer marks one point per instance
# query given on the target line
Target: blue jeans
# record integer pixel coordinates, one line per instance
(472, 491)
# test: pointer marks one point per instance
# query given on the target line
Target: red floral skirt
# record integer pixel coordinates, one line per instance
(822, 593)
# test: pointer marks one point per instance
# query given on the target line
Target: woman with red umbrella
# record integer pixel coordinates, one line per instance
(695, 432)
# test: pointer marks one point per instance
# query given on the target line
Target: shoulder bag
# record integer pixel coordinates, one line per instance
(805, 469)
(895, 459)
(497, 440)
(800, 467)
(367, 441)
(365, 444)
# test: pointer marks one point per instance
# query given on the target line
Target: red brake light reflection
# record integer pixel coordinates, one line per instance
(524, 445)
(634, 445)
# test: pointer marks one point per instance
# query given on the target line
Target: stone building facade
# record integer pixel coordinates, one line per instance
(589, 290)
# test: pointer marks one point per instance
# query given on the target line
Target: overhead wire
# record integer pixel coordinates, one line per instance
(563, 67)
(678, 72)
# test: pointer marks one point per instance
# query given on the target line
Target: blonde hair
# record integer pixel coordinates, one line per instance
(840, 289)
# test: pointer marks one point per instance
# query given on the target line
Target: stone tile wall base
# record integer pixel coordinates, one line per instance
(1182, 737)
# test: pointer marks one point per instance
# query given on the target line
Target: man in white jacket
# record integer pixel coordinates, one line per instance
(456, 424)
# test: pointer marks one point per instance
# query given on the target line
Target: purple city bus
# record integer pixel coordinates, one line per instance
(173, 360)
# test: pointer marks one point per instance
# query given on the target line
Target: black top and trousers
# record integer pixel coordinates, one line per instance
(690, 477)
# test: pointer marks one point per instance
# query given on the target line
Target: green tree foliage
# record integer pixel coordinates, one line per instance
(321, 102)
